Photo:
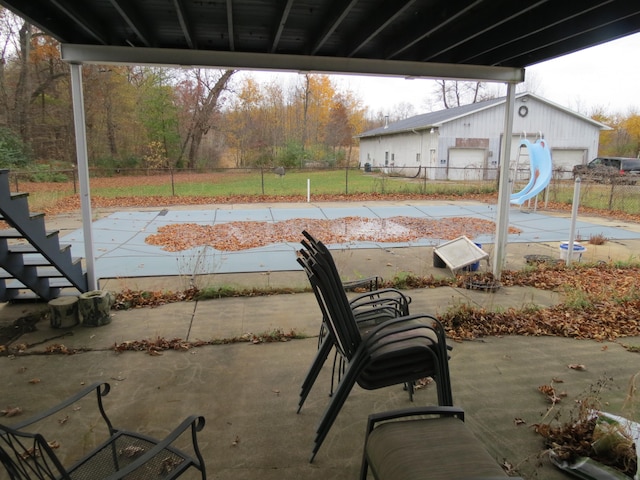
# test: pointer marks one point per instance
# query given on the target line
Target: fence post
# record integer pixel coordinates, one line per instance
(346, 180)
(73, 175)
(173, 186)
(15, 176)
(262, 178)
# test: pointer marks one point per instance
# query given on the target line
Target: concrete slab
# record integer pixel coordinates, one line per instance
(248, 393)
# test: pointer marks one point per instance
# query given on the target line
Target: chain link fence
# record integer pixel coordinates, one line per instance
(614, 194)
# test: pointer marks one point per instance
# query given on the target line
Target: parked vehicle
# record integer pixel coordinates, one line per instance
(610, 170)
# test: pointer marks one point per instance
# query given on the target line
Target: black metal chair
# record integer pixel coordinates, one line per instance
(26, 454)
(375, 306)
(397, 351)
(425, 443)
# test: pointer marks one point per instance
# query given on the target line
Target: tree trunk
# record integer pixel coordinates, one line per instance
(202, 118)
(63, 312)
(21, 102)
(94, 308)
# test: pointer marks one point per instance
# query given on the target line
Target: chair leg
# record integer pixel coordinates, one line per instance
(337, 401)
(314, 370)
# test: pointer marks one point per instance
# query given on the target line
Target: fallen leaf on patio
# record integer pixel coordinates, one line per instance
(63, 420)
(550, 392)
(236, 441)
(557, 380)
(577, 366)
(131, 451)
(508, 467)
(11, 411)
(34, 381)
(169, 464)
(30, 453)
(276, 391)
(519, 421)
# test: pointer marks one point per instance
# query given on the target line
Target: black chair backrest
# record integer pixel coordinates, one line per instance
(338, 315)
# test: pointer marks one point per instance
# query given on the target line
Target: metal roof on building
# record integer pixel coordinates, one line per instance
(437, 119)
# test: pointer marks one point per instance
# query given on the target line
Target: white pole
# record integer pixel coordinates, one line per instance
(308, 190)
(574, 217)
(504, 190)
(83, 171)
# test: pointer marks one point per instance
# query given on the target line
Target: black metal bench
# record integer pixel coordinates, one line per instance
(25, 453)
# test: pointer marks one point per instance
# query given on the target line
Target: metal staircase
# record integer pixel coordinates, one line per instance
(33, 264)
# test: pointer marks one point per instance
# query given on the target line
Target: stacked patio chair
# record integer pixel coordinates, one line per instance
(25, 453)
(375, 306)
(397, 351)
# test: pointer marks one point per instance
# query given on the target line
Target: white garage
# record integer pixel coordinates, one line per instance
(465, 143)
(466, 163)
(565, 159)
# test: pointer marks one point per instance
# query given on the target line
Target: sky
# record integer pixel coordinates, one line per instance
(605, 77)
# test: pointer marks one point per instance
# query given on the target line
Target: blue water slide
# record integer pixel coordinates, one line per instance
(541, 171)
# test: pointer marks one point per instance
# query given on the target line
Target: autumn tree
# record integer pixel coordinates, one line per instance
(30, 73)
(631, 125)
(245, 124)
(201, 100)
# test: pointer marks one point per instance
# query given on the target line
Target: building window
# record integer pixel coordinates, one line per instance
(417, 158)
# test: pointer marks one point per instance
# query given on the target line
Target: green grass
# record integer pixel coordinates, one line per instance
(294, 183)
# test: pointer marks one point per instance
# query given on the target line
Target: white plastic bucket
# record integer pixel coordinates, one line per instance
(576, 254)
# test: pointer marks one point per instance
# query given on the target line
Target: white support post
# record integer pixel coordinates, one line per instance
(574, 219)
(83, 171)
(504, 191)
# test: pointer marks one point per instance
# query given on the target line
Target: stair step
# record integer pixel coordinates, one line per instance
(27, 248)
(60, 282)
(12, 233)
(46, 271)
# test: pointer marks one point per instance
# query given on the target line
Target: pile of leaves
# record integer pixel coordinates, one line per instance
(602, 302)
(242, 235)
(128, 299)
(581, 435)
(161, 344)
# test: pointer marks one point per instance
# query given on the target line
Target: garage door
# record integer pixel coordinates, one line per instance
(466, 163)
(565, 159)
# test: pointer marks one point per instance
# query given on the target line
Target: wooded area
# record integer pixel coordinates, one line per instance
(143, 117)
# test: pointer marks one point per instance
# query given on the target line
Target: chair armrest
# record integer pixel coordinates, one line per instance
(417, 411)
(101, 389)
(383, 294)
(194, 421)
(362, 283)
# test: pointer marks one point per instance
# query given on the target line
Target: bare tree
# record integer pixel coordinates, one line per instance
(205, 93)
(454, 93)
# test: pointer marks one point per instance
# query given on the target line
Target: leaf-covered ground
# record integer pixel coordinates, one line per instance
(233, 236)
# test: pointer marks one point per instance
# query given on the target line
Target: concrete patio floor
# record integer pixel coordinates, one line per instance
(249, 392)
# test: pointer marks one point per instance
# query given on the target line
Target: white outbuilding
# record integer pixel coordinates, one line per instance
(463, 143)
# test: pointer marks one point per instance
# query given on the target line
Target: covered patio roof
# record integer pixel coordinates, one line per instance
(472, 39)
(456, 39)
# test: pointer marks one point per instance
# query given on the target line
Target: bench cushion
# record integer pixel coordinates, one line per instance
(434, 448)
